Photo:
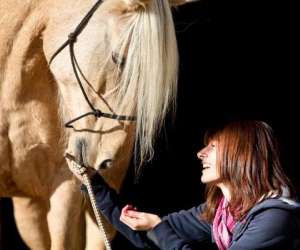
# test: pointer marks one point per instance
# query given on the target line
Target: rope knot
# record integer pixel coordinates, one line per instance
(72, 37)
(98, 113)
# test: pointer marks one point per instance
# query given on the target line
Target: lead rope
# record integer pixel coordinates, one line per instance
(82, 170)
(96, 212)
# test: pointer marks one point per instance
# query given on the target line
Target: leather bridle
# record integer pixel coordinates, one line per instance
(72, 38)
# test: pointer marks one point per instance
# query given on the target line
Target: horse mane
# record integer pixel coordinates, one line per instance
(150, 74)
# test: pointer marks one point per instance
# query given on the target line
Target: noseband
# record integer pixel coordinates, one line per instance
(72, 38)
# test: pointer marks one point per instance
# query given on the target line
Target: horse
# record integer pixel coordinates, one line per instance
(81, 99)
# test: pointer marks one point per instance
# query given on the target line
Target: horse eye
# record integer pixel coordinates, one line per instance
(118, 60)
(106, 164)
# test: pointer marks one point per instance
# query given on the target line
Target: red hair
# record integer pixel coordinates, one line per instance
(248, 164)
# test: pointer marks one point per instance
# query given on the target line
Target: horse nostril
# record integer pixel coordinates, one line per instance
(106, 164)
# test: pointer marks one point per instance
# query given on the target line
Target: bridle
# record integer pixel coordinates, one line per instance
(72, 38)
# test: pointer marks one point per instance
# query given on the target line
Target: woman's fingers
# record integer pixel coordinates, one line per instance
(128, 209)
(134, 214)
(133, 223)
(131, 218)
(138, 220)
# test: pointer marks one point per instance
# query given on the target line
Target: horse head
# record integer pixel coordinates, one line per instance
(126, 59)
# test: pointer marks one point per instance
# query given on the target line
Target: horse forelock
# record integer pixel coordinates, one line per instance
(149, 75)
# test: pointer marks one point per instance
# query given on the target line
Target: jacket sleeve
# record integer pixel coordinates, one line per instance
(270, 229)
(108, 203)
(183, 231)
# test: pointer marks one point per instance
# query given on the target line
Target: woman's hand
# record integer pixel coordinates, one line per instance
(139, 221)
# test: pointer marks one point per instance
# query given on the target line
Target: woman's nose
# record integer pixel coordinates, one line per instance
(201, 154)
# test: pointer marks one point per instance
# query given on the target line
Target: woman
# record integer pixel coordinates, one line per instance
(249, 201)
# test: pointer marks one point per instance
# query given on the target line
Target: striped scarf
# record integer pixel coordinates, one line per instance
(223, 225)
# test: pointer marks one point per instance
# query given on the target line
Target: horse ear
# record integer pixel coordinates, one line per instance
(181, 2)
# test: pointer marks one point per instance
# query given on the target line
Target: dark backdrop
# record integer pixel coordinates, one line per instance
(237, 60)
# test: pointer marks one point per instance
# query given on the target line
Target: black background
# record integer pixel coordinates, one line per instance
(237, 60)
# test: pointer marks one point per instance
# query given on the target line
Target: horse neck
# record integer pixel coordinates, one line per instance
(28, 94)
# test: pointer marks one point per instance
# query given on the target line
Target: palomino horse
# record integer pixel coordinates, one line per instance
(127, 53)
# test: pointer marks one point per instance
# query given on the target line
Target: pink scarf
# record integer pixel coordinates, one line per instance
(223, 225)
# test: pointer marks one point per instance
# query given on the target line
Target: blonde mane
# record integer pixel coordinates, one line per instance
(150, 72)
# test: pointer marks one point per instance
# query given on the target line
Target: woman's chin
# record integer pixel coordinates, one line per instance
(208, 179)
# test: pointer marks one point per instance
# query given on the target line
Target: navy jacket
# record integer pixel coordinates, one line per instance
(271, 224)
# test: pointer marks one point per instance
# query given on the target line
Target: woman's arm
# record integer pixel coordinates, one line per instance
(191, 231)
(108, 203)
(185, 227)
(183, 231)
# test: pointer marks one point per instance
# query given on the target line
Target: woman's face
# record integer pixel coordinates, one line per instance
(208, 156)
